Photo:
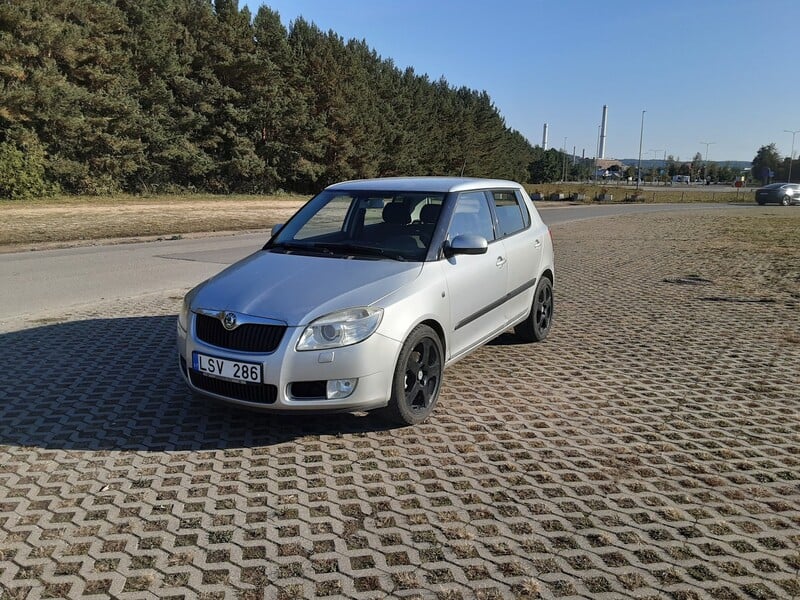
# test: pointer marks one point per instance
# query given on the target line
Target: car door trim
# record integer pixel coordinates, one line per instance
(499, 302)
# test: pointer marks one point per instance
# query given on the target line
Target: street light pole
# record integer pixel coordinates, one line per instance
(791, 157)
(705, 162)
(639, 166)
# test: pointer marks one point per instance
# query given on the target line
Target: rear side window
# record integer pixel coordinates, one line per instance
(512, 214)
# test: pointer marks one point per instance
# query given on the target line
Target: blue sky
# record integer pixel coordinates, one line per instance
(721, 71)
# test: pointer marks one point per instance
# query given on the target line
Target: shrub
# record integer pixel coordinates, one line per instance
(22, 171)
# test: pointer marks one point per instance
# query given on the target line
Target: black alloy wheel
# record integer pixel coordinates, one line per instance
(538, 323)
(417, 378)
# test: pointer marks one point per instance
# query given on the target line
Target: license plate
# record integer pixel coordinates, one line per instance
(227, 369)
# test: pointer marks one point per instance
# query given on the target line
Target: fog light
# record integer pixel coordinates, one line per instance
(340, 388)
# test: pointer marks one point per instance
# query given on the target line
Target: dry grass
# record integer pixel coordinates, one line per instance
(660, 194)
(71, 220)
(752, 254)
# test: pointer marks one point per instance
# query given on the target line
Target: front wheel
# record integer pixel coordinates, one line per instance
(417, 378)
(786, 201)
(538, 323)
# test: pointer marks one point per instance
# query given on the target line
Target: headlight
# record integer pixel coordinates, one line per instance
(341, 329)
(183, 315)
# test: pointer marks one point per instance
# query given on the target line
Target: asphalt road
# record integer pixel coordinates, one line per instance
(41, 282)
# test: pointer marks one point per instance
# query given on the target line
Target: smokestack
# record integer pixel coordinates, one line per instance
(603, 131)
(544, 137)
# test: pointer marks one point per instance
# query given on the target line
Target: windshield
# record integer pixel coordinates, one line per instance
(369, 225)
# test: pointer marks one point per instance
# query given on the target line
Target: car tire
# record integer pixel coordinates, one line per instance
(537, 324)
(417, 378)
(760, 202)
(786, 201)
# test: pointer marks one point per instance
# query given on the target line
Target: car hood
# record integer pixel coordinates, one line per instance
(296, 289)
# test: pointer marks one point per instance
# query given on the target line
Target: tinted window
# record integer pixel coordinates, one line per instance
(472, 215)
(512, 215)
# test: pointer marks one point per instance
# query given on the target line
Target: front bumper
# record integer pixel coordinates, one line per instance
(372, 362)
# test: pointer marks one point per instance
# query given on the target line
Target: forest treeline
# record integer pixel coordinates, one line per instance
(105, 96)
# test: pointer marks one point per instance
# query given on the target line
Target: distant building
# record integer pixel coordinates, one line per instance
(609, 168)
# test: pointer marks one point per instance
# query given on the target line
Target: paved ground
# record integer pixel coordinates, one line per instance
(649, 449)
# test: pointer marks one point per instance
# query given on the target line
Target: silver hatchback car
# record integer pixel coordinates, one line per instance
(781, 193)
(367, 293)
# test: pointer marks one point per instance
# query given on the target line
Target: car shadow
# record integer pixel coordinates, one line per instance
(508, 338)
(114, 384)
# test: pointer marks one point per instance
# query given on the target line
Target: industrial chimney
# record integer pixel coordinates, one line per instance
(603, 131)
(544, 137)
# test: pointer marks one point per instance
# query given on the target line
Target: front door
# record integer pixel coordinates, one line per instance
(476, 283)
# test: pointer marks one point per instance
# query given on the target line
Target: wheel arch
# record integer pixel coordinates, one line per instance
(548, 274)
(437, 327)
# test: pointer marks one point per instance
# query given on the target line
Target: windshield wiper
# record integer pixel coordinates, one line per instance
(295, 247)
(363, 250)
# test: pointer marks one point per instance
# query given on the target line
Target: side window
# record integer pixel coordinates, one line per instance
(512, 214)
(472, 215)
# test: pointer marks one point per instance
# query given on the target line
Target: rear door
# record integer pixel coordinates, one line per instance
(523, 247)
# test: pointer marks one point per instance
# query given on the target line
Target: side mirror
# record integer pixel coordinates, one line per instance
(276, 228)
(466, 243)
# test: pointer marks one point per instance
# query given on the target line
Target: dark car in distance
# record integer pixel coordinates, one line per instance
(780, 193)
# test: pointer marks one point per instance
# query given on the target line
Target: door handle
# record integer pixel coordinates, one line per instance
(500, 261)
(537, 242)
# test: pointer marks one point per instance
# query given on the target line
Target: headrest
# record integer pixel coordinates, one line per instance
(429, 213)
(396, 214)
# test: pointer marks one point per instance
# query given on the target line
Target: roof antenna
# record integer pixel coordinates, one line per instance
(463, 166)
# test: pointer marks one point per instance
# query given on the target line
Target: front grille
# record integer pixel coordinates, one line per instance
(249, 337)
(249, 392)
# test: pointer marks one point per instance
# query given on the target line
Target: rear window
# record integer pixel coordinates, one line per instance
(512, 215)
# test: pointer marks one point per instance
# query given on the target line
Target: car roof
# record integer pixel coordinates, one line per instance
(423, 184)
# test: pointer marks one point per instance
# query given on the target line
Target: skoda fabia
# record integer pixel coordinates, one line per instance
(367, 293)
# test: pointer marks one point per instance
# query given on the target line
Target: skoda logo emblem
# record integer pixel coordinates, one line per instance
(229, 321)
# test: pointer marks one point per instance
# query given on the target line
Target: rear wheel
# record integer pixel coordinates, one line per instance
(786, 200)
(538, 323)
(760, 202)
(417, 378)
